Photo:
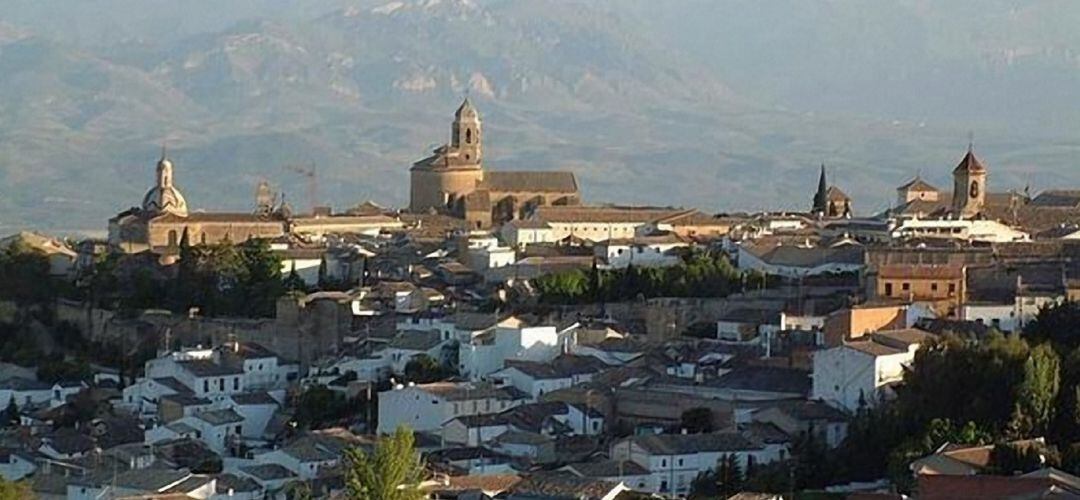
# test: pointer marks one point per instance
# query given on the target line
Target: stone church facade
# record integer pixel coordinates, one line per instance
(453, 180)
(159, 223)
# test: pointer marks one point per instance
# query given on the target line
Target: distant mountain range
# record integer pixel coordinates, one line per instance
(721, 104)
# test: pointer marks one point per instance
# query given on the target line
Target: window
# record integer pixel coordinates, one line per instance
(468, 138)
(888, 289)
(933, 286)
(221, 384)
(206, 386)
(680, 462)
(952, 287)
(172, 238)
(663, 462)
(905, 287)
(236, 383)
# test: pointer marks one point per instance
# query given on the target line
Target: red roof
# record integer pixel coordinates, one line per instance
(969, 164)
(935, 487)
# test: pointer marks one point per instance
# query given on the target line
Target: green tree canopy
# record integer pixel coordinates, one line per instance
(393, 471)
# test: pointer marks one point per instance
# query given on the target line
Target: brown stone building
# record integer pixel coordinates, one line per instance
(942, 286)
(453, 180)
(160, 222)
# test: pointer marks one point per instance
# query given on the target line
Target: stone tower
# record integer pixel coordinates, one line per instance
(969, 186)
(465, 134)
(443, 180)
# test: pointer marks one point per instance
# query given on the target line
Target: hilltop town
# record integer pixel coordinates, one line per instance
(532, 345)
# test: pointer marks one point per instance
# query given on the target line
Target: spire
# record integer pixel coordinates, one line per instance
(821, 199)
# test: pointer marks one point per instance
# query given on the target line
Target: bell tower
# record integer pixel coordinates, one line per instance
(969, 186)
(466, 136)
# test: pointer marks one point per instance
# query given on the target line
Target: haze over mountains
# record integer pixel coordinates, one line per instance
(721, 104)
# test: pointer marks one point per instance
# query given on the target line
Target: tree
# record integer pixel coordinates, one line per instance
(424, 369)
(697, 420)
(324, 277)
(319, 406)
(1008, 459)
(11, 413)
(1058, 324)
(293, 282)
(1037, 393)
(393, 471)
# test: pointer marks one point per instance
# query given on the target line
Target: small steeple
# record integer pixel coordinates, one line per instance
(821, 198)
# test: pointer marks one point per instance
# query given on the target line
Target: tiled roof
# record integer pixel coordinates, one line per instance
(564, 366)
(904, 271)
(207, 368)
(686, 444)
(464, 391)
(767, 379)
(219, 417)
(607, 468)
(267, 472)
(541, 181)
(917, 184)
(873, 348)
(603, 214)
(969, 163)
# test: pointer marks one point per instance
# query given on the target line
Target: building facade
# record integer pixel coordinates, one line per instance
(453, 180)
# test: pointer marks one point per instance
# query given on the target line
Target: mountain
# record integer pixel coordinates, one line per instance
(718, 104)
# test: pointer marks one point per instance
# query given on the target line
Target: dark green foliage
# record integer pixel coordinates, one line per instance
(11, 413)
(726, 480)
(294, 283)
(58, 370)
(1058, 324)
(424, 369)
(319, 407)
(697, 420)
(229, 280)
(24, 275)
(701, 274)
(1009, 459)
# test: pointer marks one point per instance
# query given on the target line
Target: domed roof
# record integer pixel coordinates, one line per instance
(164, 197)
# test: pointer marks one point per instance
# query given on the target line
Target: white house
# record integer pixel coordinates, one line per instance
(24, 392)
(214, 374)
(521, 233)
(537, 379)
(792, 261)
(990, 231)
(15, 464)
(426, 407)
(861, 370)
(411, 344)
(641, 251)
(487, 353)
(672, 461)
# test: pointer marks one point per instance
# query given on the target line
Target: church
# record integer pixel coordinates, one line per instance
(453, 180)
(161, 221)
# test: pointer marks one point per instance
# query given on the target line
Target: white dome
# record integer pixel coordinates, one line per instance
(165, 199)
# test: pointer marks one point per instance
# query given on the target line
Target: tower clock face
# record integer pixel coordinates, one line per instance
(974, 192)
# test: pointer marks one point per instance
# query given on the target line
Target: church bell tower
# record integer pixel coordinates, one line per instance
(466, 135)
(969, 186)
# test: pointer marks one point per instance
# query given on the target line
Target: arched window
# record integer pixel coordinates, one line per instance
(172, 238)
(468, 136)
(974, 189)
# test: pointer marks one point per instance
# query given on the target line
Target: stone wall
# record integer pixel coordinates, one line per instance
(302, 332)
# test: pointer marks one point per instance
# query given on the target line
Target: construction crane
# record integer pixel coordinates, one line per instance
(312, 183)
